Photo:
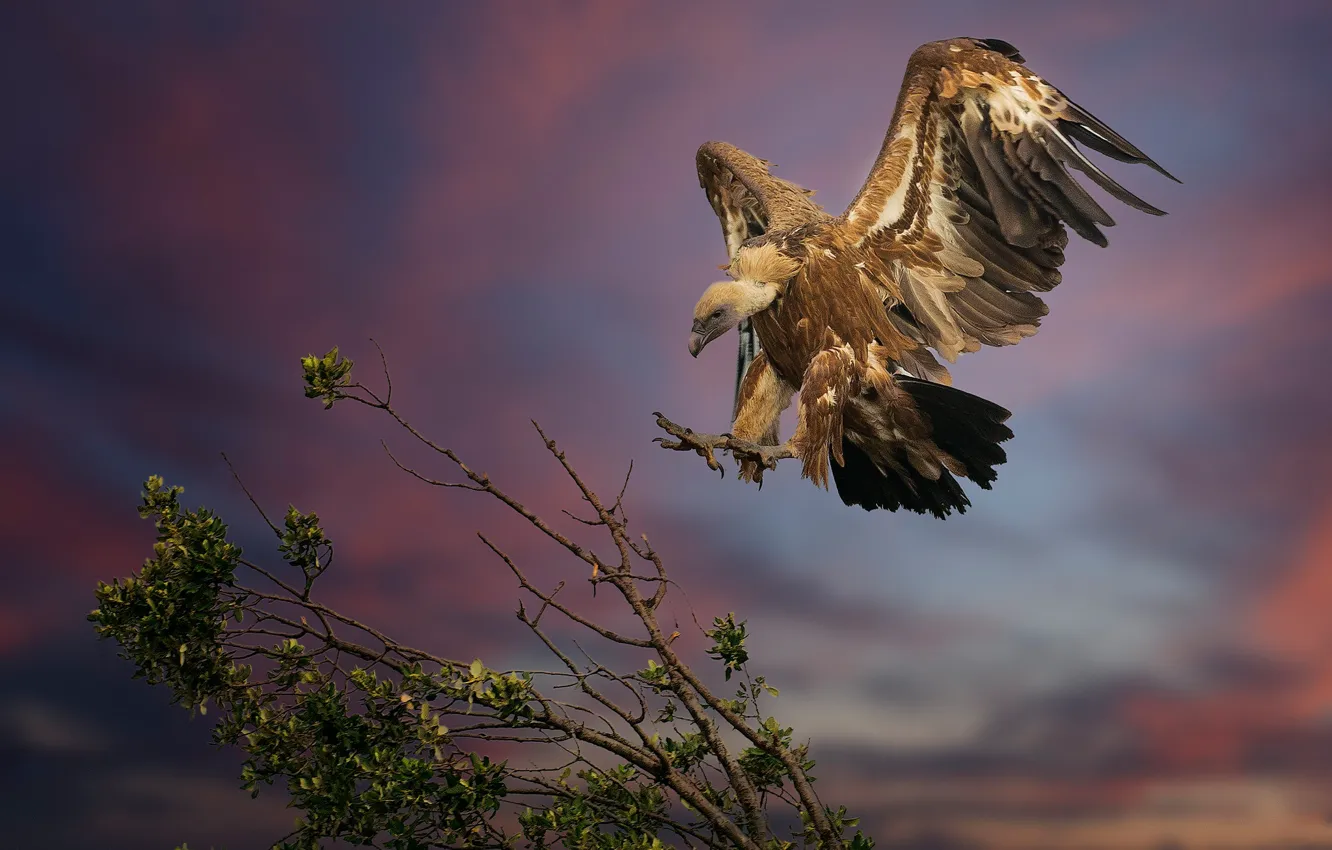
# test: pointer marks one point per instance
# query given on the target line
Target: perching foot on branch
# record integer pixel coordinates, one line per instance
(753, 458)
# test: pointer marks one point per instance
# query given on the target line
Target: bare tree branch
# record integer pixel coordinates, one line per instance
(649, 746)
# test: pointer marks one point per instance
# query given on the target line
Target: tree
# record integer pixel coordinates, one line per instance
(383, 744)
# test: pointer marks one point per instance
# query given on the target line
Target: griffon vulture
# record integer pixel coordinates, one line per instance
(958, 226)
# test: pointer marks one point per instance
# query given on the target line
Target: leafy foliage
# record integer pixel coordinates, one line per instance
(380, 744)
(170, 616)
(728, 644)
(326, 377)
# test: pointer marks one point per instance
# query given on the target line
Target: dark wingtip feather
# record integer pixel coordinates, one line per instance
(1100, 137)
(1094, 235)
(998, 45)
(1086, 136)
(1068, 151)
(1148, 161)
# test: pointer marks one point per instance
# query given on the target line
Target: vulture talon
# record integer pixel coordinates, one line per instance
(753, 458)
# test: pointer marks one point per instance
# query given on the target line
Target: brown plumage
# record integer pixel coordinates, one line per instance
(958, 226)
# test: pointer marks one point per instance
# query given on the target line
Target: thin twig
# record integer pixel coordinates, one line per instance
(550, 600)
(419, 477)
(249, 495)
(388, 378)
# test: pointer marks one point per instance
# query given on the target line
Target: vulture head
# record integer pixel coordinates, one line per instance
(724, 305)
(761, 274)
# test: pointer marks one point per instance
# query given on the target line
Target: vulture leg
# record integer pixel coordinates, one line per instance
(759, 405)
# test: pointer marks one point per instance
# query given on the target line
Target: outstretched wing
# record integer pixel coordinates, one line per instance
(749, 201)
(965, 208)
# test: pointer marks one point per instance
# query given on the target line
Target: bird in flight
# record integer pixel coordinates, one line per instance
(961, 222)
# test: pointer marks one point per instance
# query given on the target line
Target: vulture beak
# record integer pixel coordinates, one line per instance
(697, 339)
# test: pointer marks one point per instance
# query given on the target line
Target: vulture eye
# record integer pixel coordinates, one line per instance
(717, 314)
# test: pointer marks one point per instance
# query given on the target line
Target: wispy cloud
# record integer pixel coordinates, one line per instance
(1122, 645)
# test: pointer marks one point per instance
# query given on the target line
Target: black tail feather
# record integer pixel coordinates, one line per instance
(859, 482)
(965, 426)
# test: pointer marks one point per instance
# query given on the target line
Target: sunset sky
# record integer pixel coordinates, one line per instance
(1125, 645)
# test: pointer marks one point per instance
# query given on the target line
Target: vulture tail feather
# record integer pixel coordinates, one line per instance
(965, 426)
(860, 482)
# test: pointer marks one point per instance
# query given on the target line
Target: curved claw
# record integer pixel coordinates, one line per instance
(754, 459)
(706, 452)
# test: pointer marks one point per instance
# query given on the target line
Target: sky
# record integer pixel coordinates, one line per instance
(1124, 645)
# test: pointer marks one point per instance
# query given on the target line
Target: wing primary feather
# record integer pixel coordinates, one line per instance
(1011, 212)
(1074, 157)
(978, 203)
(1051, 198)
(1087, 136)
(1039, 160)
(1039, 253)
(999, 166)
(1107, 141)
